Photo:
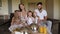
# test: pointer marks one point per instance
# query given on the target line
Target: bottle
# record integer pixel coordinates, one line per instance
(43, 28)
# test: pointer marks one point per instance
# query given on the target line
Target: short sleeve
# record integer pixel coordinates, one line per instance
(45, 13)
(36, 10)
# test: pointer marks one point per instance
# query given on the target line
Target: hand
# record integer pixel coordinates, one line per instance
(44, 20)
(39, 20)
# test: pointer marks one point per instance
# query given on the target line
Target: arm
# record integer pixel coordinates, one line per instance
(45, 15)
(45, 18)
(38, 21)
(12, 22)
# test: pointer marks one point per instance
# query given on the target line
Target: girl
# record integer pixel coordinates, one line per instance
(36, 18)
(30, 19)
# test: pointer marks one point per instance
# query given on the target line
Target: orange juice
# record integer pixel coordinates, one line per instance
(41, 29)
(45, 30)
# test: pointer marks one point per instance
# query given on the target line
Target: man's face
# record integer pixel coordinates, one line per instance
(39, 6)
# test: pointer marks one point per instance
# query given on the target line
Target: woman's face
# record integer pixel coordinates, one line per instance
(22, 6)
(29, 14)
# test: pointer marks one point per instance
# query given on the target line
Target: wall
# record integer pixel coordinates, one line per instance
(56, 9)
(4, 8)
(27, 2)
(50, 8)
(59, 8)
(53, 9)
(15, 4)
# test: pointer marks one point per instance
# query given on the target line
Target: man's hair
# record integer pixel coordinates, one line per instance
(39, 3)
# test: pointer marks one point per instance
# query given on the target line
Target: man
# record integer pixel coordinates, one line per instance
(43, 16)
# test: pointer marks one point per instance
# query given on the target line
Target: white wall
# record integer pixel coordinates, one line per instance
(15, 4)
(56, 9)
(4, 8)
(59, 8)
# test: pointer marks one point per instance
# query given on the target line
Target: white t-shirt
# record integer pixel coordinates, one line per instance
(42, 14)
(36, 20)
(30, 20)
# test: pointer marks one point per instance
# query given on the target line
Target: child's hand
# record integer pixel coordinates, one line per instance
(39, 20)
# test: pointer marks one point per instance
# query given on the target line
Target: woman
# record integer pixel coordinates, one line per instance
(23, 13)
(22, 10)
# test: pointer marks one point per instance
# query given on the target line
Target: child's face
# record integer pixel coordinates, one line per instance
(29, 14)
(34, 14)
(16, 14)
(19, 14)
